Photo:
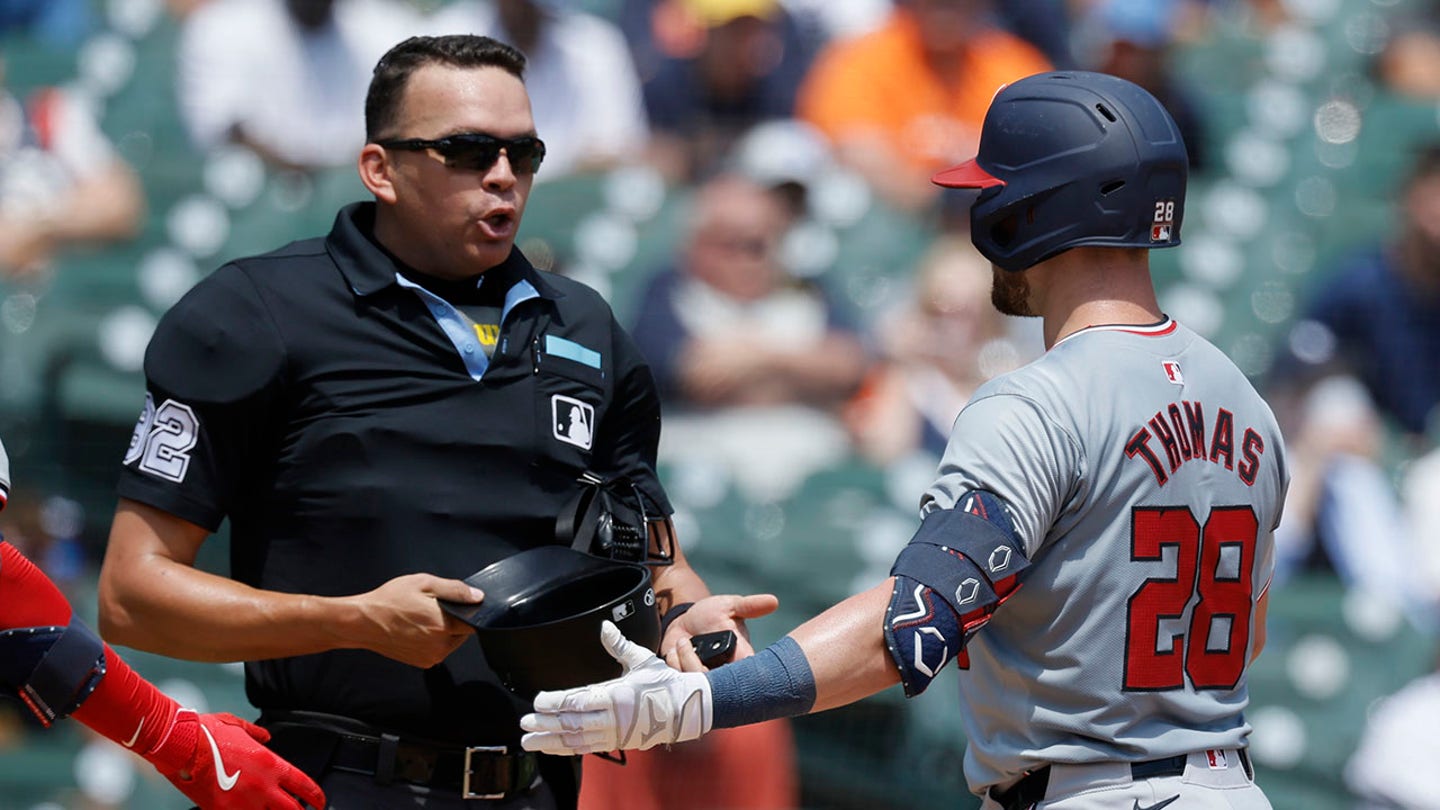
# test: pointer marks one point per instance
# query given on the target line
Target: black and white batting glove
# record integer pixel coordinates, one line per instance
(650, 704)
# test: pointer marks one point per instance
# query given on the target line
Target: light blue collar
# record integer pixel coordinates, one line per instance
(457, 328)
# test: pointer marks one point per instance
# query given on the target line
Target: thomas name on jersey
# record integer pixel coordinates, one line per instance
(1179, 430)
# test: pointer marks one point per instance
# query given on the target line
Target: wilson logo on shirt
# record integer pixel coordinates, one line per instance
(488, 334)
(572, 421)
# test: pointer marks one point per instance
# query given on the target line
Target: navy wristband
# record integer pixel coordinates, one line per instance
(672, 614)
(773, 683)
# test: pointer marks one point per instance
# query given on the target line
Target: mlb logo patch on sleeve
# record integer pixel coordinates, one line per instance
(572, 421)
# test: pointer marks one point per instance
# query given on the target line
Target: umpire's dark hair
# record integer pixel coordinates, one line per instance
(387, 84)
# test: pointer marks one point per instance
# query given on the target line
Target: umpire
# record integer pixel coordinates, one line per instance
(378, 413)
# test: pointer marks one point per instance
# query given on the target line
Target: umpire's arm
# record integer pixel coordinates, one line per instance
(153, 598)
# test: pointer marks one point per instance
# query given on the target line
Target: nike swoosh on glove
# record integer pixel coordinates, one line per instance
(220, 761)
(648, 705)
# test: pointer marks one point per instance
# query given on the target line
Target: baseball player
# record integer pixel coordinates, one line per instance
(58, 667)
(1095, 550)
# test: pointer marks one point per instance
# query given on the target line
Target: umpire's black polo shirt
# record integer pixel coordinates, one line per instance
(319, 404)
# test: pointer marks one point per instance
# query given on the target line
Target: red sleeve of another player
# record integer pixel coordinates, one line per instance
(127, 708)
(29, 598)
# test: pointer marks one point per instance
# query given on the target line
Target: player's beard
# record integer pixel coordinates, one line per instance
(1010, 293)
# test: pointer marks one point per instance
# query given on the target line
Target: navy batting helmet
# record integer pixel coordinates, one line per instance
(539, 624)
(1069, 159)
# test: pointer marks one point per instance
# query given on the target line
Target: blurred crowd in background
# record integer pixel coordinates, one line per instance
(747, 182)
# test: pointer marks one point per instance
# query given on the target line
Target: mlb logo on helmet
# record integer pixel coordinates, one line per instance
(622, 611)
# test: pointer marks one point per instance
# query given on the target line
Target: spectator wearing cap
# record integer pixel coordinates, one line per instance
(908, 99)
(787, 156)
(584, 90)
(285, 78)
(1133, 39)
(718, 68)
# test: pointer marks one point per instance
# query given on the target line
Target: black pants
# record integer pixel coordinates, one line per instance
(353, 791)
(557, 788)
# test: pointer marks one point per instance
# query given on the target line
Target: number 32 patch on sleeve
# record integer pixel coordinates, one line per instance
(163, 439)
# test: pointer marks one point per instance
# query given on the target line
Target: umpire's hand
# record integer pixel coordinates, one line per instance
(402, 619)
(711, 614)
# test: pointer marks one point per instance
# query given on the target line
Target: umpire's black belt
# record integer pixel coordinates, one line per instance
(473, 772)
(1030, 790)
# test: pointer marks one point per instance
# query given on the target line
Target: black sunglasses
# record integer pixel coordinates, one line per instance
(476, 151)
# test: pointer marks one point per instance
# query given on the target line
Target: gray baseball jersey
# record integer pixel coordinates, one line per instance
(1145, 477)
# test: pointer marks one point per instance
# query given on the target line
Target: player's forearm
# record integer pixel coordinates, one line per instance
(171, 609)
(845, 647)
(819, 666)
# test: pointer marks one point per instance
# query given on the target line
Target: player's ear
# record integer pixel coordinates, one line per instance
(376, 172)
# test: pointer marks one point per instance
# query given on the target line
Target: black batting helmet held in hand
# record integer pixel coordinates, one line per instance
(539, 624)
(1073, 158)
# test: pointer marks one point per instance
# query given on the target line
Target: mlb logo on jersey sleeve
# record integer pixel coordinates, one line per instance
(572, 421)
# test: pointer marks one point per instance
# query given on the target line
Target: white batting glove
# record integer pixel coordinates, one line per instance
(648, 705)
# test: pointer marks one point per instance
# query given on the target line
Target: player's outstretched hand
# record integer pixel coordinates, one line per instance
(648, 705)
(219, 761)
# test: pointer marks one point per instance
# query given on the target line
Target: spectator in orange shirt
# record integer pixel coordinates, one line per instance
(908, 99)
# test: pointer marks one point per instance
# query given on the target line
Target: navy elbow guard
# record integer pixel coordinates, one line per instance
(53, 669)
(959, 567)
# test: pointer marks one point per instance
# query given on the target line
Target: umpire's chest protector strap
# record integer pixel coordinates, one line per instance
(959, 567)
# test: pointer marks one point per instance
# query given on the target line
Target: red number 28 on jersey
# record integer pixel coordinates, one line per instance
(1213, 566)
